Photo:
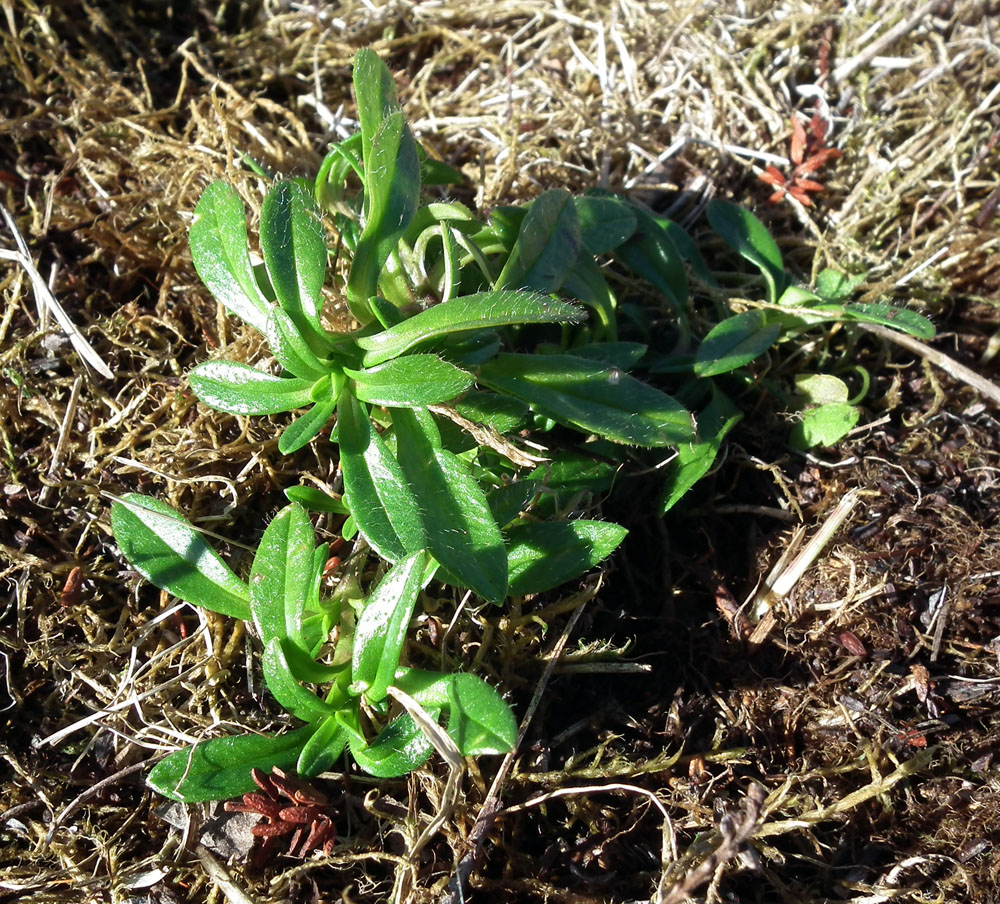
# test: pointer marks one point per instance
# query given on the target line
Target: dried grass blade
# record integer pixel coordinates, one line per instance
(45, 298)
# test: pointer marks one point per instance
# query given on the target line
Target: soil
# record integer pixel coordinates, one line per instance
(694, 738)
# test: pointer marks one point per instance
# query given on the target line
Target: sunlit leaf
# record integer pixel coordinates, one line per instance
(282, 572)
(901, 319)
(481, 311)
(378, 494)
(410, 381)
(458, 523)
(398, 749)
(593, 398)
(479, 721)
(285, 688)
(166, 549)
(219, 768)
(219, 249)
(293, 245)
(240, 389)
(824, 426)
(381, 630)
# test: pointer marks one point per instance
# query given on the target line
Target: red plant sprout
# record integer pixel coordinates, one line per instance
(303, 814)
(808, 153)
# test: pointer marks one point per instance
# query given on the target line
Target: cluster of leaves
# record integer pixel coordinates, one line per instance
(294, 622)
(809, 154)
(470, 332)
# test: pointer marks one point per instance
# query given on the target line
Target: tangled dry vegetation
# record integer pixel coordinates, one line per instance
(844, 749)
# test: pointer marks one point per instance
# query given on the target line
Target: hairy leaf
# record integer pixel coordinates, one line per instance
(547, 245)
(240, 389)
(593, 398)
(546, 554)
(461, 532)
(746, 235)
(409, 382)
(293, 246)
(285, 688)
(481, 311)
(378, 494)
(167, 550)
(220, 768)
(218, 240)
(734, 342)
(381, 630)
(282, 573)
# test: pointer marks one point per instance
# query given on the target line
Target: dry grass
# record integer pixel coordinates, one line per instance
(846, 754)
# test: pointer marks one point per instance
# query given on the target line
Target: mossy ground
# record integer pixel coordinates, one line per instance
(845, 752)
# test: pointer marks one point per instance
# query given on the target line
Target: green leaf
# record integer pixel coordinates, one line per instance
(380, 498)
(479, 721)
(461, 532)
(734, 342)
(590, 397)
(220, 768)
(293, 246)
(376, 96)
(291, 349)
(508, 501)
(282, 573)
(434, 172)
(623, 355)
(901, 319)
(746, 235)
(652, 255)
(798, 297)
(316, 500)
(571, 473)
(306, 426)
(834, 286)
(693, 460)
(410, 381)
(547, 245)
(163, 546)
(398, 749)
(304, 668)
(546, 554)
(240, 389)
(285, 688)
(392, 192)
(688, 249)
(605, 222)
(481, 311)
(586, 283)
(320, 752)
(381, 630)
(451, 277)
(821, 389)
(501, 412)
(824, 426)
(218, 240)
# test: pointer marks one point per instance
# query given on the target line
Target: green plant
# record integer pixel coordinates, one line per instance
(467, 332)
(283, 599)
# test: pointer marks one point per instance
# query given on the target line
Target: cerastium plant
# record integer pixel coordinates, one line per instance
(467, 333)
